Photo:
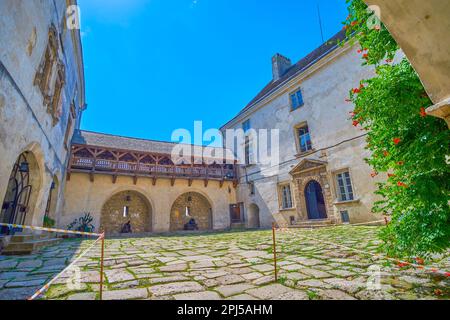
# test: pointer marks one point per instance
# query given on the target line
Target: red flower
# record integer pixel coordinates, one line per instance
(356, 90)
(365, 56)
(419, 260)
(385, 153)
(355, 123)
(359, 51)
(423, 113)
(396, 141)
(390, 175)
(402, 264)
(354, 23)
(401, 184)
(400, 163)
(447, 274)
(374, 174)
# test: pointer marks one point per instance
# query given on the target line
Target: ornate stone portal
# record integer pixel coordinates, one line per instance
(312, 174)
(123, 207)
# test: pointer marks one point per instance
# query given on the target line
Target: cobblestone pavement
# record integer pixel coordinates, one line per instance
(234, 265)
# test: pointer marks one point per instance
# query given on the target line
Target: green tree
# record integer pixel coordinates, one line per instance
(408, 147)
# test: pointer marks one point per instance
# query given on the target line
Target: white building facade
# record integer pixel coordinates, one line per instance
(322, 176)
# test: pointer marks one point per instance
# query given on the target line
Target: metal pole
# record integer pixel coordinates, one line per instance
(101, 265)
(274, 252)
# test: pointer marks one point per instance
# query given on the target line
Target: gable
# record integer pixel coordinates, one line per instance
(307, 165)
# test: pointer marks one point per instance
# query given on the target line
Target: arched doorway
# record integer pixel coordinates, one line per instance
(315, 202)
(253, 217)
(123, 207)
(21, 193)
(188, 206)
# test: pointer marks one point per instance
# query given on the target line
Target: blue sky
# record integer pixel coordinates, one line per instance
(153, 66)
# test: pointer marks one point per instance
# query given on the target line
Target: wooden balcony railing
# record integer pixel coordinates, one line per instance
(117, 167)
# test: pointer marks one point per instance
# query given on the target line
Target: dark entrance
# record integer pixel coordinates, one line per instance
(236, 211)
(15, 203)
(315, 202)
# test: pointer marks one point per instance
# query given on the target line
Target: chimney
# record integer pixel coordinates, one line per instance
(280, 64)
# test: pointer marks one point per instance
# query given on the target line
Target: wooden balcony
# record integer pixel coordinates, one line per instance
(97, 160)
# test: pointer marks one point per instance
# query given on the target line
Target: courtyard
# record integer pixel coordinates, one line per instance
(228, 265)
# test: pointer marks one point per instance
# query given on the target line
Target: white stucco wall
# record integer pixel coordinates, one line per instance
(325, 86)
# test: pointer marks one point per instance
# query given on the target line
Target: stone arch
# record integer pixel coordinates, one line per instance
(191, 205)
(23, 190)
(124, 206)
(253, 218)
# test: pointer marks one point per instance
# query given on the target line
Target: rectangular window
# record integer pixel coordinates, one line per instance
(286, 199)
(304, 139)
(297, 99)
(252, 188)
(126, 211)
(248, 151)
(246, 125)
(344, 216)
(344, 185)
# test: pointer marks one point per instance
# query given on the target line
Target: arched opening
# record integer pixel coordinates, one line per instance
(191, 208)
(315, 202)
(123, 207)
(21, 194)
(253, 217)
(50, 209)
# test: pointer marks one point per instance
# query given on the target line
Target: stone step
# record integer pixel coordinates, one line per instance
(29, 247)
(319, 223)
(25, 237)
(238, 226)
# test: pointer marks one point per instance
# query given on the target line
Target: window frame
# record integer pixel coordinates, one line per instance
(339, 194)
(281, 197)
(249, 152)
(298, 140)
(244, 125)
(291, 102)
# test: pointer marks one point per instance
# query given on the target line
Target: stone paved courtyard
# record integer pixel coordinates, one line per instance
(232, 265)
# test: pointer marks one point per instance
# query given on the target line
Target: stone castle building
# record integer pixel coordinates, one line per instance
(41, 101)
(322, 176)
(50, 168)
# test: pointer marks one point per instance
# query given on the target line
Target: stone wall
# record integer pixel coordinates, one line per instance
(25, 122)
(198, 208)
(139, 213)
(82, 195)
